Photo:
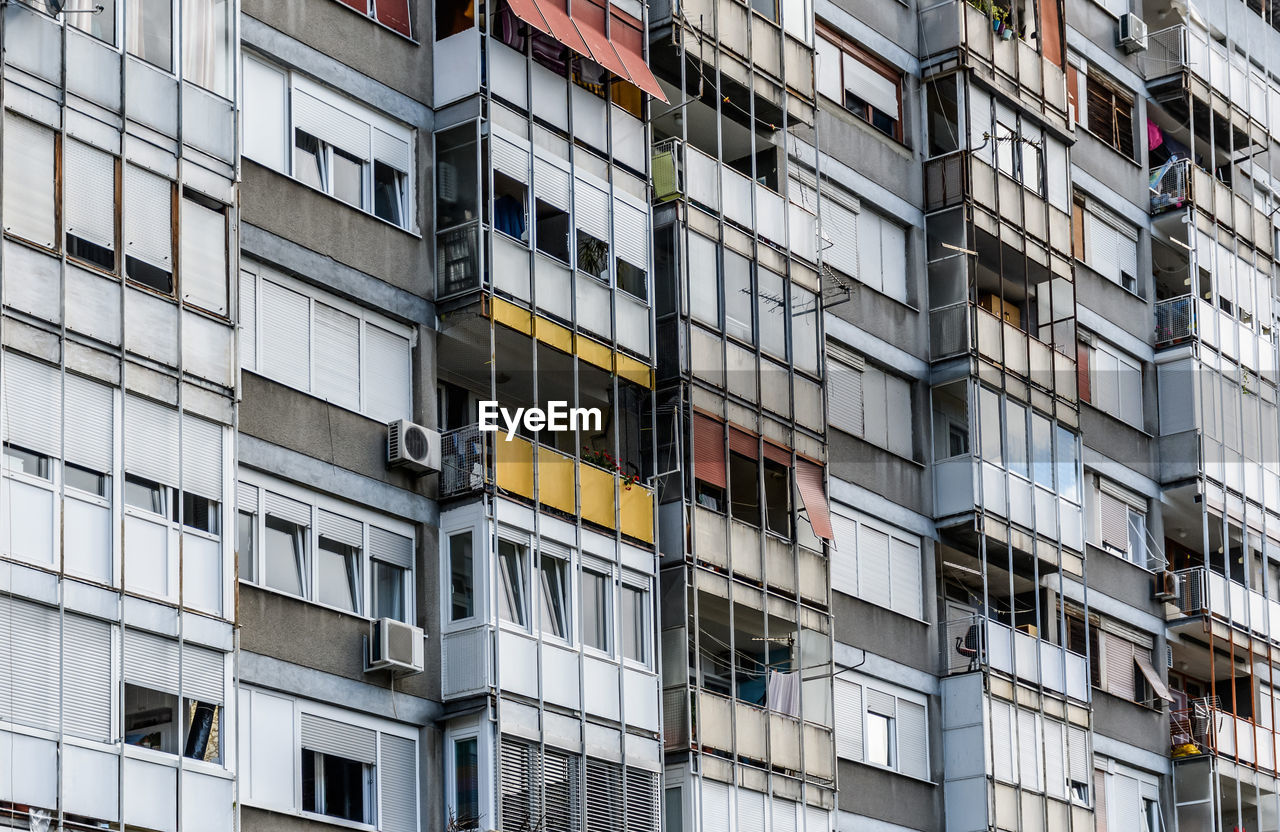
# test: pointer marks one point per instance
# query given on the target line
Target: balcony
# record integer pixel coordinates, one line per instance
(1205, 592)
(471, 461)
(975, 642)
(1205, 728)
(1171, 186)
(1176, 320)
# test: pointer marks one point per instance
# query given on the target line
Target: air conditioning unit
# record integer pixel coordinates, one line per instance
(1132, 33)
(1168, 586)
(413, 446)
(394, 645)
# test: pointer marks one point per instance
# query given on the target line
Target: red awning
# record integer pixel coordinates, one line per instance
(812, 494)
(590, 20)
(628, 39)
(708, 450)
(527, 10)
(562, 28)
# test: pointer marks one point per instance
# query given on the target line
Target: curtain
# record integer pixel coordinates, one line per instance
(206, 44)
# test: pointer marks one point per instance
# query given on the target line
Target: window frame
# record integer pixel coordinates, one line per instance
(878, 65)
(1120, 105)
(604, 572)
(515, 591)
(555, 585)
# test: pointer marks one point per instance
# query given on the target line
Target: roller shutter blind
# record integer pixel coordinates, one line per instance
(151, 661)
(642, 801)
(398, 781)
(848, 719)
(90, 434)
(873, 565)
(551, 183)
(844, 560)
(387, 375)
(844, 396)
(1125, 802)
(151, 440)
(1001, 740)
(1055, 759)
(29, 672)
(591, 208)
(1028, 750)
(247, 497)
(29, 181)
(286, 335)
(783, 813)
(1113, 522)
(561, 791)
(520, 786)
(603, 790)
(897, 402)
(202, 457)
(510, 157)
(89, 193)
(265, 114)
(148, 217)
(839, 227)
(203, 674)
(816, 820)
(248, 320)
(338, 739)
(893, 260)
(204, 256)
(1100, 799)
(394, 151)
(287, 509)
(390, 547)
(331, 125)
(1118, 657)
(32, 404)
(913, 740)
(871, 86)
(631, 233)
(87, 692)
(337, 356)
(715, 806)
(340, 529)
(751, 810)
(1078, 762)
(904, 575)
(708, 451)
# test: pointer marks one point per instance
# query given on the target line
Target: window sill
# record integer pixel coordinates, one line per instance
(888, 770)
(330, 403)
(281, 593)
(1117, 151)
(376, 22)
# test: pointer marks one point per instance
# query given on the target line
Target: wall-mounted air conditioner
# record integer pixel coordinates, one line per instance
(394, 645)
(413, 446)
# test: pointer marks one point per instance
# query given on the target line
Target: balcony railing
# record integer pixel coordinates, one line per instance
(1176, 320)
(1204, 592)
(977, 643)
(1167, 52)
(1203, 727)
(465, 461)
(1170, 185)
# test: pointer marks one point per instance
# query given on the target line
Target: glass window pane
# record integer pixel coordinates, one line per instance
(804, 329)
(388, 591)
(308, 161)
(777, 498)
(388, 193)
(466, 784)
(744, 488)
(206, 44)
(202, 727)
(771, 308)
(27, 462)
(595, 610)
(85, 480)
(244, 545)
(1068, 452)
(457, 186)
(1041, 451)
(83, 15)
(1016, 434)
(348, 178)
(512, 593)
(143, 494)
(737, 296)
(150, 719)
(553, 611)
(634, 617)
(339, 575)
(148, 29)
(201, 513)
(879, 739)
(462, 584)
(989, 424)
(282, 549)
(704, 280)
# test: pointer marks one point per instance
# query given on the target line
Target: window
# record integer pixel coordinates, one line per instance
(245, 550)
(29, 180)
(341, 147)
(943, 116)
(880, 735)
(704, 283)
(394, 14)
(89, 204)
(144, 494)
(338, 575)
(869, 403)
(461, 577)
(1115, 383)
(465, 813)
(878, 563)
(149, 31)
(861, 83)
(738, 297)
(513, 595)
(206, 44)
(335, 786)
(882, 255)
(388, 591)
(148, 229)
(777, 497)
(201, 513)
(744, 488)
(1106, 243)
(635, 624)
(202, 726)
(22, 461)
(83, 479)
(805, 310)
(881, 725)
(96, 17)
(554, 610)
(204, 242)
(150, 719)
(1110, 113)
(320, 344)
(285, 555)
(596, 612)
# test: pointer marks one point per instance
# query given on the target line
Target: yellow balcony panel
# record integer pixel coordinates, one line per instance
(636, 509)
(513, 464)
(593, 352)
(508, 314)
(552, 334)
(555, 480)
(597, 495)
(635, 371)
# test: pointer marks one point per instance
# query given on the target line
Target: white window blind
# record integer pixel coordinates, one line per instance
(294, 511)
(603, 795)
(87, 690)
(1116, 384)
(870, 86)
(32, 404)
(826, 69)
(337, 353)
(913, 739)
(151, 440)
(204, 256)
(151, 661)
(202, 457)
(1028, 750)
(877, 563)
(510, 157)
(387, 369)
(203, 674)
(148, 217)
(1111, 246)
(907, 714)
(844, 391)
(29, 675)
(848, 719)
(642, 801)
(248, 320)
(882, 255)
(390, 547)
(265, 118)
(631, 233)
(839, 235)
(286, 342)
(89, 193)
(1055, 758)
(90, 435)
(330, 124)
(340, 529)
(1002, 747)
(591, 208)
(551, 183)
(398, 779)
(395, 150)
(329, 736)
(783, 814)
(29, 180)
(715, 805)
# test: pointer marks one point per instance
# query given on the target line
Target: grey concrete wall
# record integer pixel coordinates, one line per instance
(1118, 440)
(884, 632)
(903, 481)
(1133, 724)
(1126, 310)
(1124, 581)
(890, 797)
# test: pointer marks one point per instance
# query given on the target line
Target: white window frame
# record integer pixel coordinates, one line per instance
(900, 695)
(568, 602)
(644, 586)
(612, 607)
(1133, 504)
(1120, 401)
(316, 502)
(259, 274)
(484, 752)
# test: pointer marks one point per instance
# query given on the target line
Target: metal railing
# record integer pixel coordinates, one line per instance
(1176, 320)
(1191, 729)
(1171, 185)
(1167, 52)
(465, 462)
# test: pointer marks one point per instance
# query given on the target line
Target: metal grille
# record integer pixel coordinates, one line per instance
(463, 461)
(1171, 185)
(675, 717)
(520, 801)
(1193, 597)
(962, 645)
(1166, 52)
(1175, 320)
(604, 792)
(944, 181)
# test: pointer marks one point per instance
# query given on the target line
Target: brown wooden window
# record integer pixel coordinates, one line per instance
(1110, 114)
(862, 83)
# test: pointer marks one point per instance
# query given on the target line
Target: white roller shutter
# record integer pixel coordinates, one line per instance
(631, 233)
(337, 356)
(784, 815)
(329, 736)
(905, 577)
(388, 375)
(1126, 804)
(844, 396)
(871, 250)
(148, 217)
(1028, 751)
(151, 440)
(340, 529)
(591, 207)
(204, 257)
(248, 320)
(510, 156)
(265, 113)
(286, 336)
(151, 661)
(390, 547)
(715, 807)
(816, 819)
(32, 404)
(202, 457)
(1078, 755)
(869, 85)
(90, 433)
(29, 181)
(287, 509)
(203, 674)
(89, 193)
(331, 125)
(398, 782)
(87, 692)
(29, 671)
(393, 150)
(1002, 740)
(839, 236)
(551, 183)
(1119, 666)
(848, 719)
(844, 561)
(898, 417)
(913, 740)
(873, 565)
(1113, 522)
(1055, 759)
(751, 810)
(247, 497)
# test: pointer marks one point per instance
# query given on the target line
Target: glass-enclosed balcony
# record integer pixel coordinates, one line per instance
(977, 643)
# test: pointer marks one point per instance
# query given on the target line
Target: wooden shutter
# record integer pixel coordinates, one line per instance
(148, 217)
(248, 320)
(913, 740)
(741, 442)
(339, 739)
(89, 193)
(844, 396)
(591, 208)
(286, 336)
(387, 376)
(398, 783)
(87, 692)
(151, 661)
(204, 674)
(642, 801)
(340, 529)
(708, 451)
(90, 435)
(390, 547)
(337, 356)
(202, 457)
(603, 789)
(1073, 93)
(32, 404)
(330, 124)
(873, 566)
(151, 440)
(203, 277)
(1082, 371)
(29, 181)
(904, 577)
(848, 719)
